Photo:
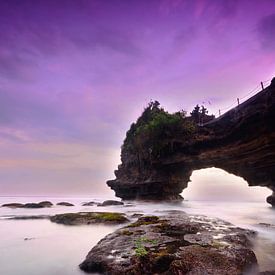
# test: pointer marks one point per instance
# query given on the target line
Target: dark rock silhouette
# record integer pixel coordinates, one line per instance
(241, 142)
(110, 202)
(41, 204)
(64, 203)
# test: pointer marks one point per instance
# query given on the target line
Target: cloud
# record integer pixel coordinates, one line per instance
(266, 32)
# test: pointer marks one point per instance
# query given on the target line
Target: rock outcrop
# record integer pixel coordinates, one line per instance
(110, 202)
(64, 203)
(173, 244)
(41, 204)
(241, 142)
(89, 218)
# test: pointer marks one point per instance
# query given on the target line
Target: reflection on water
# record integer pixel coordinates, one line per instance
(57, 249)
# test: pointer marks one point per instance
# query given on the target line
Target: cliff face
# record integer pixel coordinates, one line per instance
(242, 142)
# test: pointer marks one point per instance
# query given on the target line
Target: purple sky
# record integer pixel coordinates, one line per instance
(75, 74)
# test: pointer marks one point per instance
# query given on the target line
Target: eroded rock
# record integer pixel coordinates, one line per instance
(173, 244)
(241, 142)
(13, 205)
(90, 203)
(271, 199)
(64, 203)
(89, 218)
(41, 204)
(110, 202)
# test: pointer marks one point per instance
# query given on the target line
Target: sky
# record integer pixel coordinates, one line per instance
(75, 74)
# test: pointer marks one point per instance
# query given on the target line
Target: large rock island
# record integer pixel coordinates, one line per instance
(161, 150)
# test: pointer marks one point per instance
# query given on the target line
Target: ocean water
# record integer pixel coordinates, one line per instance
(57, 249)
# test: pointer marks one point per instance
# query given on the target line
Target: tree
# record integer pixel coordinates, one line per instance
(200, 114)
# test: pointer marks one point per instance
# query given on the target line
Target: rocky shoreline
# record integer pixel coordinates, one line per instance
(175, 243)
(170, 242)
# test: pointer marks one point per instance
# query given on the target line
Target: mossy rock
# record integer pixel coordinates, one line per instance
(146, 220)
(89, 218)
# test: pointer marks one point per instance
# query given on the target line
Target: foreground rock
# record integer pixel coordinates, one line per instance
(173, 244)
(41, 204)
(89, 218)
(64, 203)
(110, 202)
(157, 164)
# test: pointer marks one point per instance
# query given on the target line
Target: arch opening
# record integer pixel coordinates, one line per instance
(215, 184)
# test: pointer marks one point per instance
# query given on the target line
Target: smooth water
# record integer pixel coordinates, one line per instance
(57, 249)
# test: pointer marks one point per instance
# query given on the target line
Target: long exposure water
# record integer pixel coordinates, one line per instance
(57, 249)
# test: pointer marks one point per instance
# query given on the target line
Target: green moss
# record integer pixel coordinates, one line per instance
(217, 244)
(110, 216)
(145, 221)
(89, 217)
(126, 232)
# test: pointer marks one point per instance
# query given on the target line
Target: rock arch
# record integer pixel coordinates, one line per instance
(215, 184)
(241, 142)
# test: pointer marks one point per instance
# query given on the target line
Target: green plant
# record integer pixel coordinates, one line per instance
(140, 249)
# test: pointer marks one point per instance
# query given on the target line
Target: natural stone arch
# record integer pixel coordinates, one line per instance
(215, 184)
(241, 142)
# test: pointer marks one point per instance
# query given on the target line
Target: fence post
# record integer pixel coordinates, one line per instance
(219, 112)
(238, 100)
(262, 84)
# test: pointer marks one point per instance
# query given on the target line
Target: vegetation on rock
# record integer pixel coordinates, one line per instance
(89, 218)
(156, 131)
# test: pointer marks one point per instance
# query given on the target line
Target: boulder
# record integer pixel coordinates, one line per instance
(90, 203)
(42, 204)
(110, 202)
(89, 218)
(64, 203)
(271, 199)
(13, 205)
(173, 244)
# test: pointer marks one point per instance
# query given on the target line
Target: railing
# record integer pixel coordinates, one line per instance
(241, 99)
(260, 87)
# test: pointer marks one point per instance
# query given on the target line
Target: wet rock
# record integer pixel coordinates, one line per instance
(64, 203)
(271, 199)
(89, 218)
(90, 203)
(13, 205)
(36, 217)
(266, 224)
(173, 244)
(28, 239)
(41, 204)
(110, 202)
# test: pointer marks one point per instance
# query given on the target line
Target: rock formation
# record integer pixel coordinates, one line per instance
(173, 244)
(241, 142)
(89, 218)
(41, 204)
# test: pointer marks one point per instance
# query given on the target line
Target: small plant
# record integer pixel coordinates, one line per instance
(140, 249)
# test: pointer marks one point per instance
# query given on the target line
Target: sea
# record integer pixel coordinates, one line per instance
(40, 247)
